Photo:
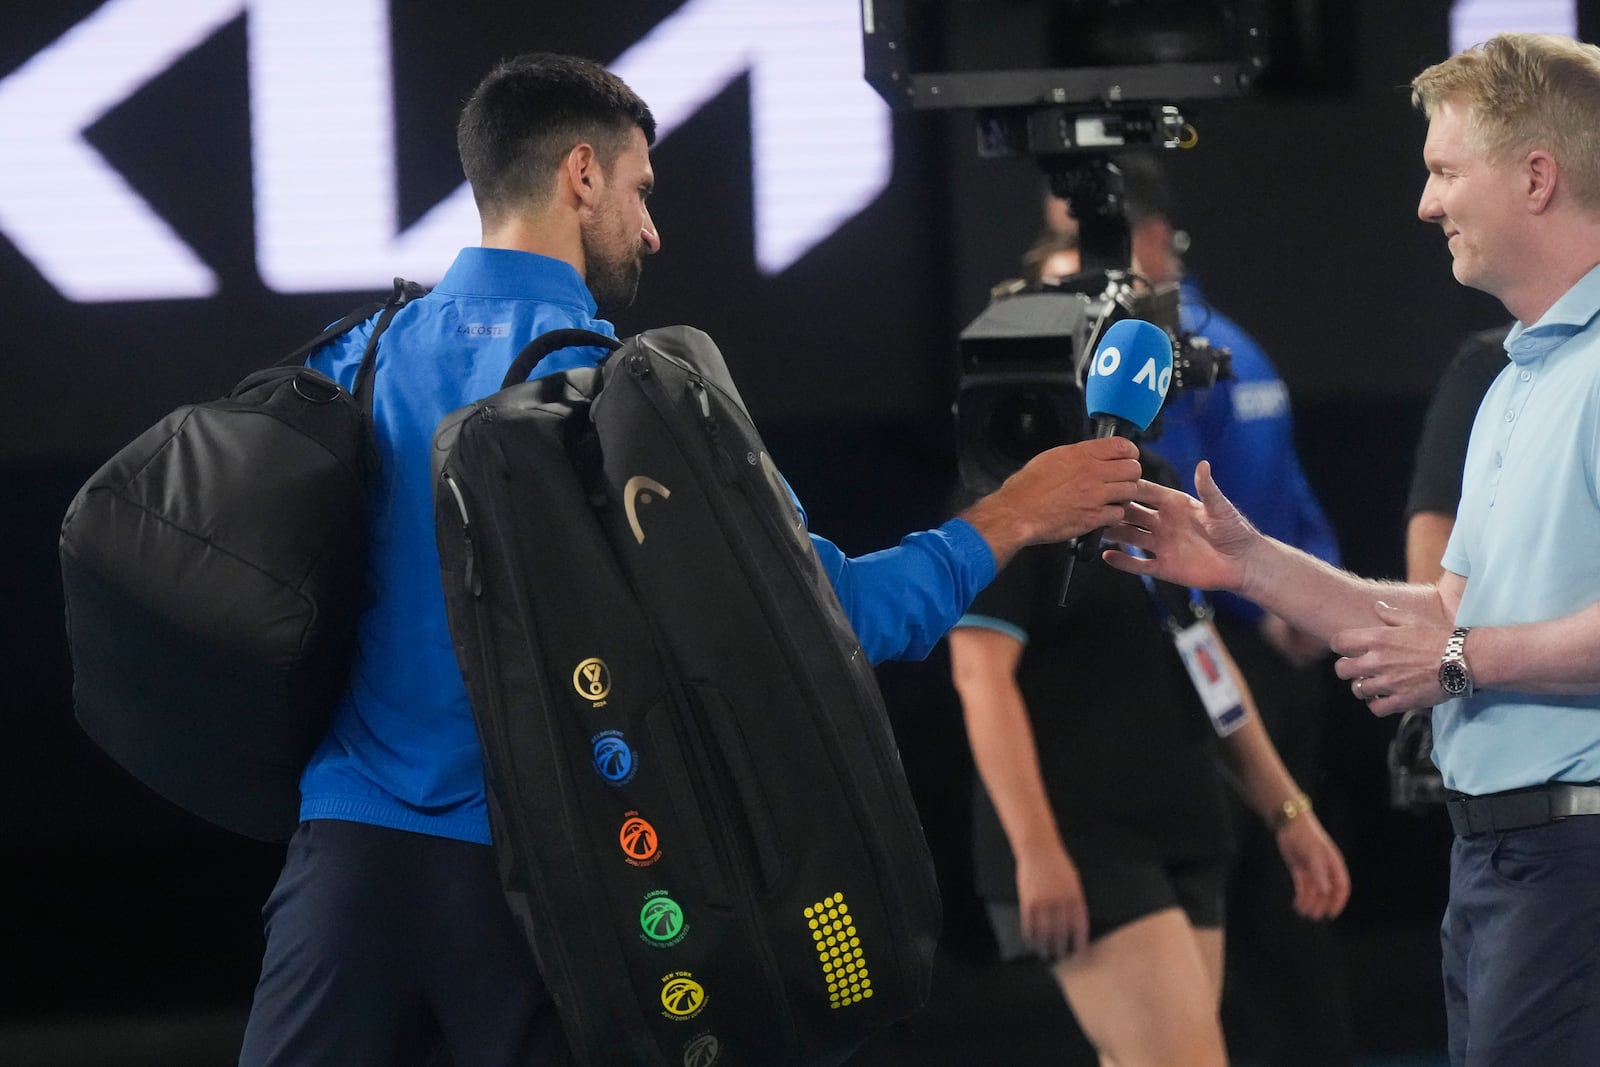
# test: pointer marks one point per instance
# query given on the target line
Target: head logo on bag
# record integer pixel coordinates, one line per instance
(703, 1051)
(681, 995)
(592, 680)
(661, 919)
(640, 845)
(613, 759)
(637, 491)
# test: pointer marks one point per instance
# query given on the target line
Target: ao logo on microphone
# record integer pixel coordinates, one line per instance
(1108, 361)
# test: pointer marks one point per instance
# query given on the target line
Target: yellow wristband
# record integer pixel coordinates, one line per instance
(1290, 810)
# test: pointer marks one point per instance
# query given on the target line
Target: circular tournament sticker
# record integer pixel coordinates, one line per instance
(592, 680)
(640, 845)
(661, 920)
(703, 1050)
(613, 759)
(681, 996)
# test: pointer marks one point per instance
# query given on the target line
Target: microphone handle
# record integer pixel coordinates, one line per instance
(1088, 546)
(1113, 426)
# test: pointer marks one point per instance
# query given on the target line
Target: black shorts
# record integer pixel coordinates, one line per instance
(1122, 891)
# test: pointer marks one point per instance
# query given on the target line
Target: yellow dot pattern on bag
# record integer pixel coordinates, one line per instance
(838, 945)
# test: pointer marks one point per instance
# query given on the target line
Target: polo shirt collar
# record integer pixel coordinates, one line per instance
(507, 274)
(1566, 317)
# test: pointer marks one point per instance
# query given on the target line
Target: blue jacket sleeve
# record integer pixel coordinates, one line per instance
(902, 600)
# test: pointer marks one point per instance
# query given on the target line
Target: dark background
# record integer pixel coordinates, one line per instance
(131, 930)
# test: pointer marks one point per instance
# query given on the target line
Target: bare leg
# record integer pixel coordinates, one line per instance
(1210, 942)
(1146, 994)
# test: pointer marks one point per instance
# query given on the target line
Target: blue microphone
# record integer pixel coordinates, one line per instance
(1127, 381)
(1128, 378)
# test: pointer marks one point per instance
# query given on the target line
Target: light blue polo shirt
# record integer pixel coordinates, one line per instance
(1527, 539)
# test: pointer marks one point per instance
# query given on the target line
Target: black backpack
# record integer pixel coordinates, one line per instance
(213, 571)
(696, 800)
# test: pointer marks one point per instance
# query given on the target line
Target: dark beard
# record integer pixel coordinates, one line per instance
(614, 283)
(613, 280)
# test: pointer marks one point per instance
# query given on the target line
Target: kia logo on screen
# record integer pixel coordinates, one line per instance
(819, 139)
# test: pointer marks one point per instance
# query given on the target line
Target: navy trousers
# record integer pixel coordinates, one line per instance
(387, 947)
(1521, 939)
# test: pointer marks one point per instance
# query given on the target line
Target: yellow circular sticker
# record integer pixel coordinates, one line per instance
(592, 679)
(681, 995)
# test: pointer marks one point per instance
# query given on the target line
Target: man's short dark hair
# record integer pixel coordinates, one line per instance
(529, 112)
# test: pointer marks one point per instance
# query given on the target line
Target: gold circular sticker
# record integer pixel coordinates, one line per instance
(592, 679)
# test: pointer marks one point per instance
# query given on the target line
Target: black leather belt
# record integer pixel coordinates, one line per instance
(1521, 808)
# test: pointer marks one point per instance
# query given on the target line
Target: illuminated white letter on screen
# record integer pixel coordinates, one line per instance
(322, 128)
(1475, 21)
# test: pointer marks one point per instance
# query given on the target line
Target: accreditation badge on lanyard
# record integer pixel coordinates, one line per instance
(1200, 647)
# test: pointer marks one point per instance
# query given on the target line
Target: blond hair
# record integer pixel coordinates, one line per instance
(1524, 91)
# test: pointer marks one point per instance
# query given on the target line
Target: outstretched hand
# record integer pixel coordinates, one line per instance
(1200, 543)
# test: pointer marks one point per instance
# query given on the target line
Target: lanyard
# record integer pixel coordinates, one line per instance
(1200, 648)
(1199, 608)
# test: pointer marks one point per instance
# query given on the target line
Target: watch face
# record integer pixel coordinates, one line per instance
(1453, 678)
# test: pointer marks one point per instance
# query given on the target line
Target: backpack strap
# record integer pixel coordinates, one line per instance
(553, 341)
(404, 292)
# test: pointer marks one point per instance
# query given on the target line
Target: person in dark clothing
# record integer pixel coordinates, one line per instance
(1100, 834)
(1442, 450)
(1285, 994)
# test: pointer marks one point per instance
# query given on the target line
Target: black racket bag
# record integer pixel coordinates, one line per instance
(699, 810)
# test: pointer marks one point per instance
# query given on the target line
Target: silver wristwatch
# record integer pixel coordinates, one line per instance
(1454, 678)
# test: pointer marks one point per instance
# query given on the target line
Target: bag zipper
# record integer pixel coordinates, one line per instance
(704, 741)
(471, 583)
(700, 389)
(491, 738)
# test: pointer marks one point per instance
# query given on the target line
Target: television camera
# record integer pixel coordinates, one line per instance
(1074, 84)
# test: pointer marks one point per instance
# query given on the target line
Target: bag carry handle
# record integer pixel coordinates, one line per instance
(404, 292)
(553, 341)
